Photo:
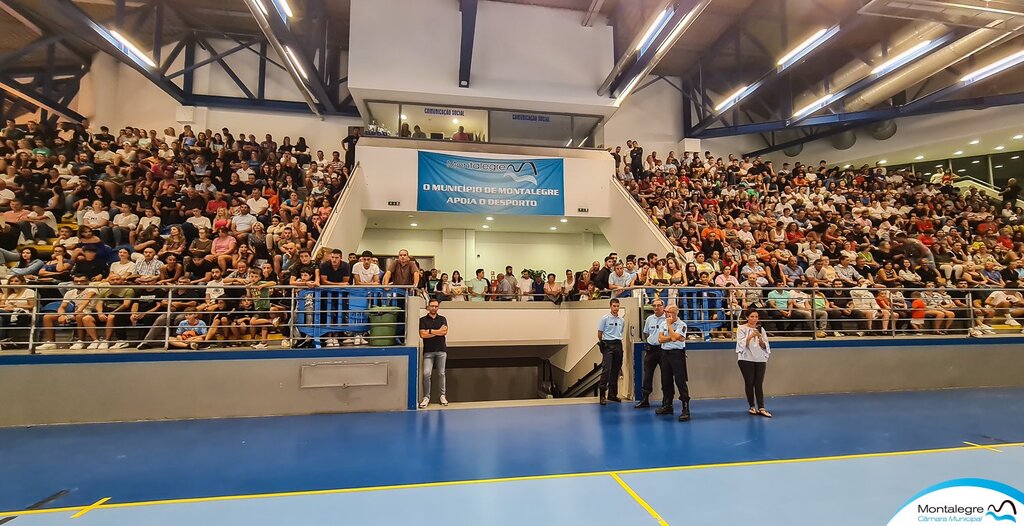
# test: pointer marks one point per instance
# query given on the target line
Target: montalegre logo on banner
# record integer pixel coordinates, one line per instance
(963, 501)
(449, 183)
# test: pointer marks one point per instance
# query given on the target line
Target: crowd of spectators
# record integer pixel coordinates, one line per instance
(868, 248)
(220, 217)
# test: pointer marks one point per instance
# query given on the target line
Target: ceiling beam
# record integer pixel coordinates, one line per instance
(468, 8)
(39, 100)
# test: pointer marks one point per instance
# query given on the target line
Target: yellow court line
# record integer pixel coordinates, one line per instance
(87, 509)
(983, 447)
(507, 479)
(639, 500)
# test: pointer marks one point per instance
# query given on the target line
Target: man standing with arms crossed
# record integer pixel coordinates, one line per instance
(672, 335)
(609, 337)
(433, 329)
(652, 351)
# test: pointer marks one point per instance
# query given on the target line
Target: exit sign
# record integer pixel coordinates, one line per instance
(394, 203)
(582, 210)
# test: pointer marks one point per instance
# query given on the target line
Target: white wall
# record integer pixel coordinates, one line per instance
(653, 116)
(468, 250)
(524, 57)
(391, 174)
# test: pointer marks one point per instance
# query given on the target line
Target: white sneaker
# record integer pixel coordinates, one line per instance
(42, 243)
(77, 346)
(119, 345)
(974, 333)
(286, 343)
(987, 329)
(94, 345)
(860, 333)
(837, 334)
(348, 341)
(332, 342)
(444, 400)
(362, 341)
(49, 346)
(104, 344)
(1011, 322)
(259, 345)
(425, 402)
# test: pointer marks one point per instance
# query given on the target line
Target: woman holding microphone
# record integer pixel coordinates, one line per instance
(753, 350)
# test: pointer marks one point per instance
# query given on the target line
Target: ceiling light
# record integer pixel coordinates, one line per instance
(404, 117)
(552, 228)
(919, 157)
(680, 26)
(580, 145)
(928, 173)
(563, 220)
(958, 152)
(801, 49)
(975, 141)
(732, 98)
(998, 166)
(132, 49)
(414, 224)
(961, 170)
(489, 218)
(939, 165)
(993, 68)
(287, 9)
(1015, 157)
(1018, 137)
(455, 121)
(568, 144)
(485, 226)
(917, 50)
(263, 8)
(847, 166)
(814, 106)
(653, 29)
(999, 148)
(295, 62)
(882, 161)
(629, 88)
(975, 162)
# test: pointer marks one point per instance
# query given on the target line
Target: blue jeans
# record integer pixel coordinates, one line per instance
(428, 367)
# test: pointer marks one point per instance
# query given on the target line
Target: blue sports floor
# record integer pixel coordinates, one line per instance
(569, 464)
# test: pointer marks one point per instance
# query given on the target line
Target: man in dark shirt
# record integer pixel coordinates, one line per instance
(335, 271)
(601, 280)
(349, 144)
(433, 329)
(90, 266)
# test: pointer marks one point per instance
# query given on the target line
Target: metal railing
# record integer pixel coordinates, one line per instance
(101, 316)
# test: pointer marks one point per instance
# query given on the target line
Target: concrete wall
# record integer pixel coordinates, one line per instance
(860, 367)
(128, 390)
(652, 115)
(524, 57)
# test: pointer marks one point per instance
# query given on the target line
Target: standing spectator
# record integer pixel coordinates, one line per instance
(433, 329)
(609, 337)
(753, 350)
(349, 145)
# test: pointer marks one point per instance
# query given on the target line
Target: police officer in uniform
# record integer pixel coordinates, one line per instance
(609, 336)
(652, 351)
(672, 335)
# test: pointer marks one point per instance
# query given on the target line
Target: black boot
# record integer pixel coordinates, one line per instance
(603, 398)
(665, 409)
(685, 416)
(643, 403)
(614, 398)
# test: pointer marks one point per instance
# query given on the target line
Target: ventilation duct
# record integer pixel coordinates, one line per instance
(843, 140)
(882, 130)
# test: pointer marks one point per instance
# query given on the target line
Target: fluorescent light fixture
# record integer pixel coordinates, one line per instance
(404, 117)
(263, 8)
(814, 106)
(552, 228)
(882, 161)
(939, 165)
(485, 226)
(285, 8)
(733, 98)
(1015, 157)
(975, 162)
(805, 47)
(999, 148)
(563, 220)
(998, 166)
(580, 145)
(975, 141)
(295, 62)
(995, 67)
(958, 152)
(927, 173)
(919, 157)
(847, 166)
(489, 218)
(136, 52)
(917, 50)
(568, 144)
(653, 30)
(625, 92)
(455, 121)
(683, 23)
(414, 224)
(1018, 137)
(961, 170)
